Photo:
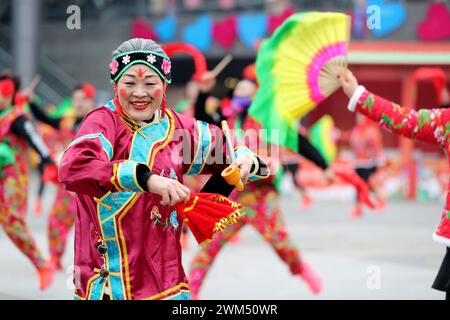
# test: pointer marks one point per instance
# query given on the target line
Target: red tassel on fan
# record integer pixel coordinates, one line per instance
(208, 213)
(360, 185)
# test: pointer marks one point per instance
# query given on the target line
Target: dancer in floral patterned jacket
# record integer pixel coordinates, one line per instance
(427, 125)
(17, 134)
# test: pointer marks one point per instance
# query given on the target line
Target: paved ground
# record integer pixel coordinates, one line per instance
(388, 255)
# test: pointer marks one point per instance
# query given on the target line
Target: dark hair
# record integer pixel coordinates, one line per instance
(79, 86)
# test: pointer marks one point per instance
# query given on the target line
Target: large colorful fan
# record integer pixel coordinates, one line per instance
(297, 69)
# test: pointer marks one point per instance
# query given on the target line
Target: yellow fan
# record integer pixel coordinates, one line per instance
(297, 67)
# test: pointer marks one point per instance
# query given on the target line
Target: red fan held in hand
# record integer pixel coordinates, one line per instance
(208, 213)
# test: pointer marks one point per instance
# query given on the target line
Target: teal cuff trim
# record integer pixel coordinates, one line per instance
(126, 175)
(241, 151)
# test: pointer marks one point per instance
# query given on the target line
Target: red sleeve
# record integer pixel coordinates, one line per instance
(427, 125)
(86, 165)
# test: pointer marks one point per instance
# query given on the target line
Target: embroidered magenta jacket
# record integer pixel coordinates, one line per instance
(139, 238)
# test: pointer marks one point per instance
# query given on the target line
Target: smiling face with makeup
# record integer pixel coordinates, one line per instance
(140, 92)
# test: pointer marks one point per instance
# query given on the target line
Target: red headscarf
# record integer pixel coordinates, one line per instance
(89, 90)
(7, 88)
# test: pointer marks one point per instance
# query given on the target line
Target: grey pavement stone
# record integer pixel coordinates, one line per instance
(395, 243)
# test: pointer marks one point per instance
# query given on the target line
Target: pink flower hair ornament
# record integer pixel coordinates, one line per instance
(114, 67)
(166, 66)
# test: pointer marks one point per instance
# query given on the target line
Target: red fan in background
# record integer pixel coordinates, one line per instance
(199, 59)
(208, 213)
(437, 77)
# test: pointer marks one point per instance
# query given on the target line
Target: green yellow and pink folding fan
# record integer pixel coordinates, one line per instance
(297, 68)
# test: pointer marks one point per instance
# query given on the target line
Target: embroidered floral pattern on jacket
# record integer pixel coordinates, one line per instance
(427, 125)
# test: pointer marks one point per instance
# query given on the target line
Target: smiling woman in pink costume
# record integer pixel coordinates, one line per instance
(126, 165)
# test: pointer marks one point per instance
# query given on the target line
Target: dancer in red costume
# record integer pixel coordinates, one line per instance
(260, 198)
(16, 134)
(367, 144)
(427, 125)
(62, 130)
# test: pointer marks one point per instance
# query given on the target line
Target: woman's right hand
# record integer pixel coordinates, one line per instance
(348, 82)
(169, 189)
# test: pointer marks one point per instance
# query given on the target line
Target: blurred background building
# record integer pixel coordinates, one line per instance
(36, 38)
